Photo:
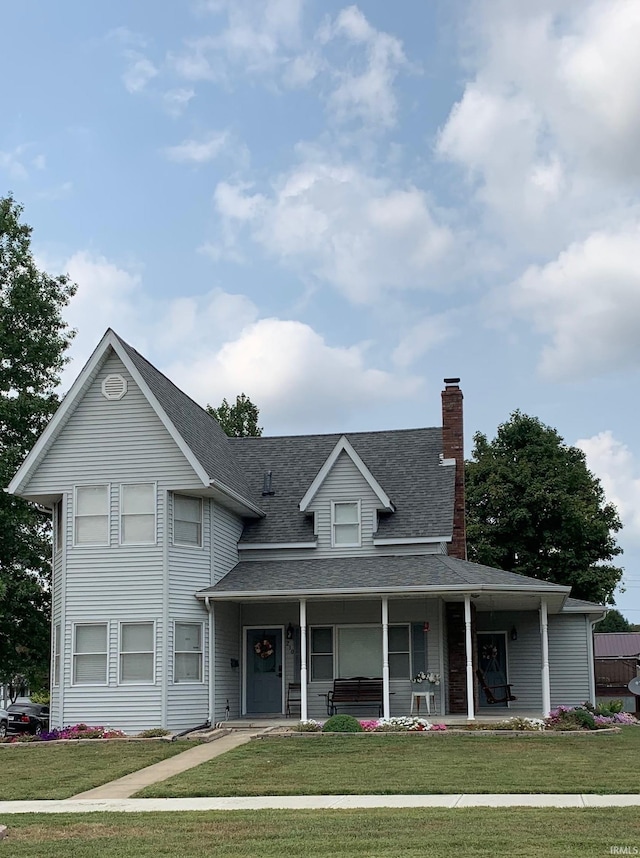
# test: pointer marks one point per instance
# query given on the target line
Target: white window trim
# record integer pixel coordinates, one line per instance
(188, 622)
(173, 521)
(58, 526)
(357, 544)
(74, 653)
(77, 544)
(138, 622)
(334, 642)
(155, 513)
(55, 654)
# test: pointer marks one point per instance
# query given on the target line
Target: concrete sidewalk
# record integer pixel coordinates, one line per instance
(125, 787)
(314, 802)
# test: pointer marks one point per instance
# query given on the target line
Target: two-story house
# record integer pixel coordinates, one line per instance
(196, 576)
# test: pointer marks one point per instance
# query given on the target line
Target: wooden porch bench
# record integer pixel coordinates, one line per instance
(358, 691)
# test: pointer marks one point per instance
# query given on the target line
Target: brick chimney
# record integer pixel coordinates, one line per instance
(453, 448)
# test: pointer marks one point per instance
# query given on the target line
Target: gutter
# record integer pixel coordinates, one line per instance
(590, 654)
(233, 495)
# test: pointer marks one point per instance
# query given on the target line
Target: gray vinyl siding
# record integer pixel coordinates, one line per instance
(344, 483)
(115, 442)
(368, 612)
(568, 660)
(227, 646)
(105, 440)
(524, 656)
(189, 571)
(226, 528)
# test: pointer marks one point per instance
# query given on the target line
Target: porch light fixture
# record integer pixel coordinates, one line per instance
(289, 632)
(513, 634)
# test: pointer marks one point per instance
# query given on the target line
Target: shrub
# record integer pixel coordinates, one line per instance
(613, 707)
(42, 697)
(153, 733)
(342, 724)
(571, 718)
(308, 726)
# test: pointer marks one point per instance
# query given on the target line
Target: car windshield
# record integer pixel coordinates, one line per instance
(24, 707)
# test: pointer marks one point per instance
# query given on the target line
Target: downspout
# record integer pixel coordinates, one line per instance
(212, 672)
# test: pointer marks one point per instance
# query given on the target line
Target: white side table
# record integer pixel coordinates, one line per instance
(429, 700)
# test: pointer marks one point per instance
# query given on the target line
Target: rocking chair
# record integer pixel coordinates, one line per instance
(495, 693)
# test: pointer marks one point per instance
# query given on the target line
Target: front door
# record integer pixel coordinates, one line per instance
(492, 661)
(264, 672)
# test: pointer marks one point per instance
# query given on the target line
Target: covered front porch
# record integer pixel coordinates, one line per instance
(262, 647)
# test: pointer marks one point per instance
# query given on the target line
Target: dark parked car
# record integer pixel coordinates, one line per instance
(28, 718)
(4, 723)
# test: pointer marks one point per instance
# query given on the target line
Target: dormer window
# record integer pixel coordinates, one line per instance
(345, 524)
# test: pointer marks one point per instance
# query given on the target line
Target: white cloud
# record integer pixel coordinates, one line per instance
(619, 472)
(138, 73)
(361, 234)
(367, 94)
(548, 126)
(257, 38)
(421, 338)
(17, 162)
(177, 100)
(588, 301)
(298, 379)
(199, 151)
(215, 345)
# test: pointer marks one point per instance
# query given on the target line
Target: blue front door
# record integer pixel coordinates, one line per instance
(492, 660)
(264, 672)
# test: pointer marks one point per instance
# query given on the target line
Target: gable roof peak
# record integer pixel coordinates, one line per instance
(344, 446)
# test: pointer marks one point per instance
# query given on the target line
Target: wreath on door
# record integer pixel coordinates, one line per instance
(263, 648)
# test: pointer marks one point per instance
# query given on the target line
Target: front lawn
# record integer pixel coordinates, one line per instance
(440, 763)
(382, 833)
(46, 771)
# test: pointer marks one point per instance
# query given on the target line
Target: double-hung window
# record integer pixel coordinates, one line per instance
(321, 653)
(345, 523)
(138, 514)
(187, 521)
(91, 520)
(90, 654)
(137, 652)
(187, 651)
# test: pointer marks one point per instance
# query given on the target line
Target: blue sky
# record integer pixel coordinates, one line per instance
(331, 207)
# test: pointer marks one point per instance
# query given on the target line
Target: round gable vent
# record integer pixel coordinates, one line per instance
(114, 387)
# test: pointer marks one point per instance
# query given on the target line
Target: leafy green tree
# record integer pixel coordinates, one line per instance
(33, 340)
(239, 420)
(613, 622)
(533, 507)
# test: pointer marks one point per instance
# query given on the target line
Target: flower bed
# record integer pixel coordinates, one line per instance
(78, 731)
(379, 725)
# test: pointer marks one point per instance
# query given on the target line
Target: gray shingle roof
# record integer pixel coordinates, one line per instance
(201, 432)
(390, 574)
(405, 462)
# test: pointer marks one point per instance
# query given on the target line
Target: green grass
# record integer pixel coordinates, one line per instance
(484, 833)
(443, 763)
(44, 771)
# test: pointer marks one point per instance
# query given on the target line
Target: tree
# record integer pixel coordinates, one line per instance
(613, 622)
(533, 507)
(33, 340)
(239, 420)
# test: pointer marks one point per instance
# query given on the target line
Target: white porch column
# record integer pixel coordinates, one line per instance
(386, 708)
(544, 634)
(303, 659)
(468, 648)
